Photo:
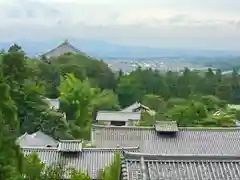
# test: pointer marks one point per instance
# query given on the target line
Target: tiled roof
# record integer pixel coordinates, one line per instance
(117, 116)
(134, 106)
(63, 48)
(137, 106)
(89, 160)
(186, 140)
(136, 166)
(37, 139)
(70, 146)
(166, 126)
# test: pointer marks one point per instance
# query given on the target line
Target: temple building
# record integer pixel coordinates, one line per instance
(63, 48)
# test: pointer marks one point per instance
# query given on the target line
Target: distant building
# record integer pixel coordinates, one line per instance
(63, 48)
(138, 107)
(37, 139)
(53, 103)
(118, 118)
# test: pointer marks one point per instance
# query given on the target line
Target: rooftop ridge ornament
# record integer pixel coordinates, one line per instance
(66, 41)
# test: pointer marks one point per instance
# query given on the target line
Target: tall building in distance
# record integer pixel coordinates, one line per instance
(63, 48)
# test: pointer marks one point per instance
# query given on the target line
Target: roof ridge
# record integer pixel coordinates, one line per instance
(84, 149)
(122, 112)
(19, 139)
(60, 140)
(38, 148)
(208, 128)
(180, 128)
(121, 127)
(112, 149)
(62, 44)
(175, 157)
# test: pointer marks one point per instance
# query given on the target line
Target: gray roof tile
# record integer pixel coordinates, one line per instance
(186, 140)
(63, 48)
(89, 160)
(137, 166)
(117, 116)
(37, 139)
(138, 106)
(134, 107)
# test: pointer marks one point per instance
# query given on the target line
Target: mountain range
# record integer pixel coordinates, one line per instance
(106, 50)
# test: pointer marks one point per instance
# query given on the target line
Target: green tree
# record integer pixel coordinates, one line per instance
(83, 66)
(76, 100)
(27, 94)
(189, 114)
(223, 119)
(33, 168)
(153, 101)
(112, 172)
(184, 86)
(146, 119)
(235, 86)
(10, 156)
(50, 75)
(129, 90)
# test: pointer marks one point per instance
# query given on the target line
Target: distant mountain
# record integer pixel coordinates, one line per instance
(105, 50)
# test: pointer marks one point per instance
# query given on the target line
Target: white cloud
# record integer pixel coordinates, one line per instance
(205, 23)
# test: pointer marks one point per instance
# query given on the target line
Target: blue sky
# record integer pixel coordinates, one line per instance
(199, 24)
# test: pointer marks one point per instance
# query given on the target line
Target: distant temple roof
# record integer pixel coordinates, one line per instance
(37, 139)
(63, 48)
(117, 116)
(138, 106)
(53, 103)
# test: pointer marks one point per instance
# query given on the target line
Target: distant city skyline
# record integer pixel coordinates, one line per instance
(197, 24)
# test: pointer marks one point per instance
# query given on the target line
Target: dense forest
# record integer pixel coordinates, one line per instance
(84, 86)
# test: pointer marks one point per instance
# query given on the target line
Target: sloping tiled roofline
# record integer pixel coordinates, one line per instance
(84, 149)
(64, 43)
(19, 139)
(180, 128)
(175, 157)
(117, 116)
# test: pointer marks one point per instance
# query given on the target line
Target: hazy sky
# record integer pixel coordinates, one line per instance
(205, 24)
